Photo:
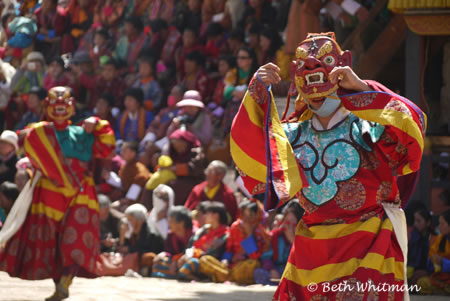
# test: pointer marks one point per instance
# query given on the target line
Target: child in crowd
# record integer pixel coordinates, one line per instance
(131, 178)
(190, 43)
(34, 114)
(109, 80)
(55, 74)
(104, 108)
(99, 49)
(147, 82)
(135, 119)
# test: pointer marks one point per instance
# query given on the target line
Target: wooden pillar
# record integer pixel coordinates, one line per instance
(413, 60)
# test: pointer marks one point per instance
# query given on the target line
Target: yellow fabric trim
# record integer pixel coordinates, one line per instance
(340, 230)
(399, 6)
(255, 113)
(67, 192)
(51, 152)
(406, 169)
(49, 185)
(83, 199)
(107, 139)
(394, 118)
(211, 192)
(286, 155)
(332, 271)
(101, 124)
(52, 213)
(30, 150)
(248, 165)
(308, 114)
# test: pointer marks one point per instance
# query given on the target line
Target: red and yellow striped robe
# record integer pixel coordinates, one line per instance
(62, 226)
(348, 240)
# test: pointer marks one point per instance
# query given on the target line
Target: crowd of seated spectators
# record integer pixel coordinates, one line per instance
(169, 76)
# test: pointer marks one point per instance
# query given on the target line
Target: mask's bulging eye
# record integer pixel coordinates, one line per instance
(52, 100)
(329, 60)
(300, 64)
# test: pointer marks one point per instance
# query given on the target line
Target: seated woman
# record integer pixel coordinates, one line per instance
(438, 261)
(275, 259)
(247, 241)
(422, 236)
(138, 236)
(207, 242)
(236, 82)
(193, 117)
(180, 231)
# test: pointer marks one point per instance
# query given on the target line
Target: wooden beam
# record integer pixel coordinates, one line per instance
(372, 62)
(353, 41)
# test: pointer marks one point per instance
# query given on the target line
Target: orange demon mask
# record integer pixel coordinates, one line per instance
(315, 57)
(59, 105)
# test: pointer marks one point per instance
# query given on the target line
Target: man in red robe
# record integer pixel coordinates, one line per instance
(340, 153)
(213, 189)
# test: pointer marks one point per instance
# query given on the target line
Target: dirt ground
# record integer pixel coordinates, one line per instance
(142, 289)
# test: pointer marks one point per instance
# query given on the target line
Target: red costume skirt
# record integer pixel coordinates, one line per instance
(358, 261)
(60, 231)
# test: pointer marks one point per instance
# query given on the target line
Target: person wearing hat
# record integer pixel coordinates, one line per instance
(130, 45)
(8, 159)
(135, 119)
(30, 73)
(55, 74)
(193, 117)
(34, 114)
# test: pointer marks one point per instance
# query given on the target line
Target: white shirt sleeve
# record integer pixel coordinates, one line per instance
(114, 180)
(350, 6)
(133, 192)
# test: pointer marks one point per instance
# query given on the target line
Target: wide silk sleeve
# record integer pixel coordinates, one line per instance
(403, 139)
(105, 140)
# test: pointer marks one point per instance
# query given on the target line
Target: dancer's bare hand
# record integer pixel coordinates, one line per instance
(269, 74)
(346, 78)
(89, 124)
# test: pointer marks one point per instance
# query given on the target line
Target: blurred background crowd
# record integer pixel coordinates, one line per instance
(170, 76)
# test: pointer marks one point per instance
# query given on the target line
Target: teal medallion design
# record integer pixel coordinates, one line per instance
(330, 156)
